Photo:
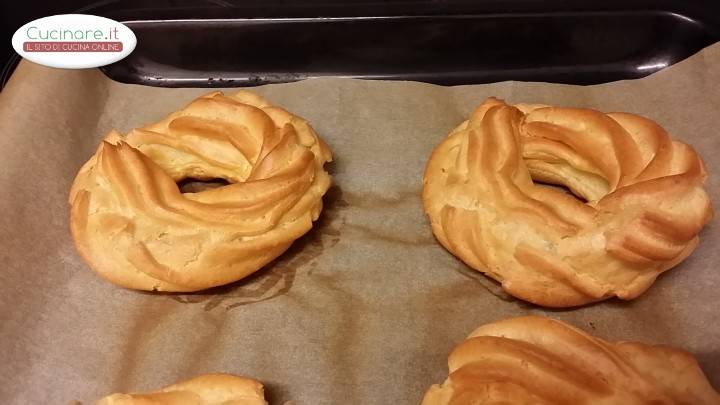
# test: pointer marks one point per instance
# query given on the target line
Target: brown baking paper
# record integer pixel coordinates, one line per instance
(365, 308)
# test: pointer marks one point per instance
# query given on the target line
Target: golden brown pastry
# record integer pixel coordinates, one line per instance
(644, 191)
(536, 360)
(209, 389)
(135, 228)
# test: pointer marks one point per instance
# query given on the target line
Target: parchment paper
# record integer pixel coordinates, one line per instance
(362, 310)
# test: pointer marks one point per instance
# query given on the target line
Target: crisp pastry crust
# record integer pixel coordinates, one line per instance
(536, 360)
(644, 191)
(134, 227)
(209, 389)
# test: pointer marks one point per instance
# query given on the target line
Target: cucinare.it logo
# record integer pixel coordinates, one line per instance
(74, 41)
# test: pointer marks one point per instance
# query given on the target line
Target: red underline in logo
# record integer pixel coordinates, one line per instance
(85, 46)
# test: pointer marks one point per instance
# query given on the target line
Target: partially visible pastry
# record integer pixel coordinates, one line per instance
(639, 208)
(134, 227)
(209, 389)
(538, 361)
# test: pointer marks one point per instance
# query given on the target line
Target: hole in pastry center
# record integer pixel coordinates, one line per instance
(561, 188)
(193, 185)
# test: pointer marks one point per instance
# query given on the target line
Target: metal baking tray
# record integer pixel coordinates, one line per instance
(226, 43)
(448, 42)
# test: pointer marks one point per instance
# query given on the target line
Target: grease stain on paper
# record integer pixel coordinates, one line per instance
(487, 283)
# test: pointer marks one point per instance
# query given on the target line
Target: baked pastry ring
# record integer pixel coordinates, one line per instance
(536, 360)
(644, 191)
(209, 389)
(135, 228)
